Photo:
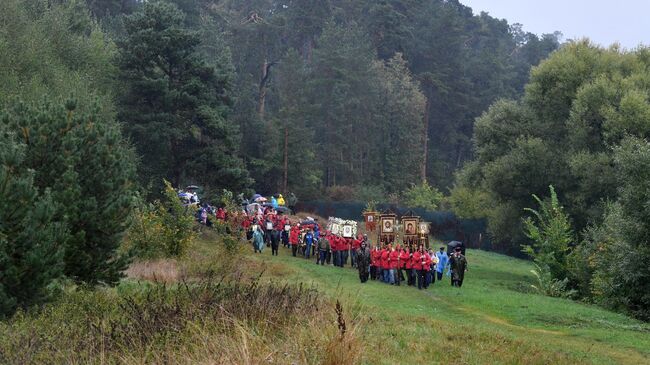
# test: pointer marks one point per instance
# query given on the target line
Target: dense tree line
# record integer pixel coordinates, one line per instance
(307, 100)
(581, 126)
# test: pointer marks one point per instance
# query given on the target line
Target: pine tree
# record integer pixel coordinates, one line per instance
(83, 160)
(175, 105)
(343, 93)
(401, 108)
(30, 250)
(297, 150)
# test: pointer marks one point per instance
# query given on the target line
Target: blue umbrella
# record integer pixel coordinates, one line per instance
(255, 197)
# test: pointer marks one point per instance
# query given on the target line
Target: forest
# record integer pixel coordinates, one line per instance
(101, 101)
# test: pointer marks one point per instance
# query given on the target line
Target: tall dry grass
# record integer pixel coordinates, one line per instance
(210, 321)
(161, 270)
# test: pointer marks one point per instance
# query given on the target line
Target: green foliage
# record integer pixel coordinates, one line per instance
(402, 106)
(162, 229)
(578, 104)
(469, 203)
(550, 286)
(30, 250)
(622, 281)
(54, 49)
(82, 158)
(174, 104)
(354, 84)
(367, 193)
(549, 230)
(422, 196)
(371, 206)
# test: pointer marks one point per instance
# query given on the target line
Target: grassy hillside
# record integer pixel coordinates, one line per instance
(208, 308)
(493, 319)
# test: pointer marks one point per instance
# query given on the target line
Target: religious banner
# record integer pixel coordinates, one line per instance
(335, 228)
(370, 219)
(411, 228)
(342, 227)
(387, 228)
(423, 235)
(347, 231)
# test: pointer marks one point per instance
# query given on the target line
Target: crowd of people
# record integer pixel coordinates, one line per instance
(389, 263)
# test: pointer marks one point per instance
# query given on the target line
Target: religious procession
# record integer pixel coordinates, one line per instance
(400, 254)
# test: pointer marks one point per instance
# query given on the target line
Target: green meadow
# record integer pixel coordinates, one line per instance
(495, 318)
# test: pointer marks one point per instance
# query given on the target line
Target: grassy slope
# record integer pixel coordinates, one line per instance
(486, 322)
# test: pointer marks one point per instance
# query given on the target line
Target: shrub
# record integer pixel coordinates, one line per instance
(468, 203)
(162, 229)
(422, 196)
(547, 285)
(551, 236)
(366, 193)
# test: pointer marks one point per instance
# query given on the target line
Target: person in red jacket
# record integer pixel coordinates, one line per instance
(394, 265)
(416, 266)
(385, 263)
(404, 259)
(409, 267)
(427, 269)
(419, 262)
(294, 239)
(375, 256)
(285, 229)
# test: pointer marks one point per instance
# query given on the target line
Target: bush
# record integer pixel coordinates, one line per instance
(162, 229)
(366, 193)
(422, 196)
(547, 285)
(469, 203)
(551, 236)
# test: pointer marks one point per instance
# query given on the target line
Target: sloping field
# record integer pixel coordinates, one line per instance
(493, 319)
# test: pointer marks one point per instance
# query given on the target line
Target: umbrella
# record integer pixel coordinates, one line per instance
(260, 199)
(192, 187)
(255, 196)
(252, 208)
(283, 210)
(453, 244)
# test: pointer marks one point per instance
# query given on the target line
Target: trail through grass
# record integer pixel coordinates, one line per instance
(492, 319)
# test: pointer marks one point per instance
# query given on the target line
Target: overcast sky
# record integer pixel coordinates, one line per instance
(603, 21)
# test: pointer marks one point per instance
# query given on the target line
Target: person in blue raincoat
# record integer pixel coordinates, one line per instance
(309, 240)
(274, 202)
(258, 240)
(443, 259)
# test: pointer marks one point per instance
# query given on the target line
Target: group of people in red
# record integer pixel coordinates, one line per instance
(395, 264)
(391, 263)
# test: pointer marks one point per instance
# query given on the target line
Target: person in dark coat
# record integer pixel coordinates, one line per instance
(363, 261)
(323, 249)
(275, 242)
(458, 266)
